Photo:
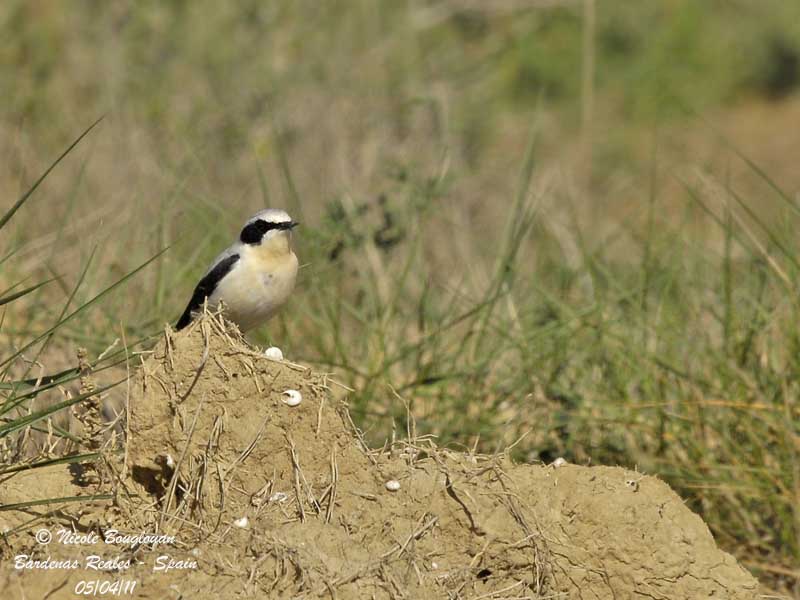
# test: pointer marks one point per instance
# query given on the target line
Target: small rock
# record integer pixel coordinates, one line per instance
(273, 353)
(293, 397)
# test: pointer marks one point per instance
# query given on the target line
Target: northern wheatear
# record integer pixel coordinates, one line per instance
(254, 277)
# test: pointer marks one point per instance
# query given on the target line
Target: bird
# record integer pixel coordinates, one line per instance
(254, 277)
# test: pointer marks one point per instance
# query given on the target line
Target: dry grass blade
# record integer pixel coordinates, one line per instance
(176, 473)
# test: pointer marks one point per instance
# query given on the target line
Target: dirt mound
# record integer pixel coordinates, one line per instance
(273, 500)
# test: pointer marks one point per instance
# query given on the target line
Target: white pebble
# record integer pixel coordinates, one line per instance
(241, 523)
(434, 565)
(279, 497)
(196, 552)
(392, 485)
(559, 462)
(273, 353)
(170, 461)
(293, 397)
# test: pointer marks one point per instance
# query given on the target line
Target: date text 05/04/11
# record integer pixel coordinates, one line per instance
(98, 587)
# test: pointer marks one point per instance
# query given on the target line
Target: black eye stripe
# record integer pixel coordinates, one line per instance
(253, 232)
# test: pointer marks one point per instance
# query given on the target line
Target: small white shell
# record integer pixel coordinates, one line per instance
(241, 523)
(392, 485)
(434, 565)
(196, 552)
(273, 353)
(559, 462)
(170, 461)
(279, 497)
(293, 397)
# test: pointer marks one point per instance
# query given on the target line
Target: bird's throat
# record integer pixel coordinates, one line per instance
(274, 248)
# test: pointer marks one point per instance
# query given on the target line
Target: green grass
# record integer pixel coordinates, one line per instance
(30, 437)
(455, 255)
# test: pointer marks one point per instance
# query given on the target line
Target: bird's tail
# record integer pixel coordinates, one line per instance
(185, 319)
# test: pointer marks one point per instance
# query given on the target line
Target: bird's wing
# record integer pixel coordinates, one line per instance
(207, 285)
(223, 256)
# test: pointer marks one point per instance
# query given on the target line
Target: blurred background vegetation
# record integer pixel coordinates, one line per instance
(570, 222)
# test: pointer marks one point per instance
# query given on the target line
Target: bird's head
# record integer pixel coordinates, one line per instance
(271, 229)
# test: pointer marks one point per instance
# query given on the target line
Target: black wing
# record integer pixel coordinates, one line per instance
(205, 288)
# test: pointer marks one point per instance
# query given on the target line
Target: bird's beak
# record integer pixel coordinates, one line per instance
(286, 225)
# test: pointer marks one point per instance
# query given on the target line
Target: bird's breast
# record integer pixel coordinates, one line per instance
(256, 288)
